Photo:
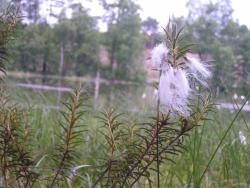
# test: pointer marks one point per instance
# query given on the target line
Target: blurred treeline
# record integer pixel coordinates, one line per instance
(77, 46)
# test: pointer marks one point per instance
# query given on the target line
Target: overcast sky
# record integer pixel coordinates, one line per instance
(163, 9)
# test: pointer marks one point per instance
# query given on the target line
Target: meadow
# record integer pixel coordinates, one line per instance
(125, 128)
(230, 166)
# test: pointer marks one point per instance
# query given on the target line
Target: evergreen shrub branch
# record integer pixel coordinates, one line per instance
(15, 156)
(70, 137)
(8, 22)
(161, 138)
(131, 154)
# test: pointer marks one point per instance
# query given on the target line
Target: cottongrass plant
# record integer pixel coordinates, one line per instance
(177, 71)
(135, 153)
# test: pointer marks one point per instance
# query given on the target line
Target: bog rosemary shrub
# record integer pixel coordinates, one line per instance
(16, 160)
(130, 151)
(135, 153)
(65, 155)
(8, 22)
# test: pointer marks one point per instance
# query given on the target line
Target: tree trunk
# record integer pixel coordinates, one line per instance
(60, 74)
(97, 86)
(44, 70)
(112, 59)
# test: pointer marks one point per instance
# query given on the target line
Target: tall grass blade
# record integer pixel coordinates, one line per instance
(221, 141)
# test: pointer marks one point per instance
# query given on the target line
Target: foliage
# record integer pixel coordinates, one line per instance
(150, 26)
(138, 157)
(129, 154)
(123, 39)
(220, 40)
(69, 138)
(112, 149)
(150, 29)
(185, 168)
(133, 150)
(8, 21)
(80, 40)
(16, 159)
(39, 48)
(30, 9)
(35, 52)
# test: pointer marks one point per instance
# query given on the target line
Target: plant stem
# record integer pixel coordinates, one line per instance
(157, 131)
(153, 159)
(72, 121)
(142, 156)
(100, 178)
(157, 143)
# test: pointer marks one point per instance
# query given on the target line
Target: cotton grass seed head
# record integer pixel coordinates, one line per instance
(176, 72)
(159, 55)
(243, 139)
(174, 91)
(198, 70)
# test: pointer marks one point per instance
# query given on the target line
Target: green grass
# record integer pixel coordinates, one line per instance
(230, 166)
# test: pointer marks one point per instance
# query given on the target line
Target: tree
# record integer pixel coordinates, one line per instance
(212, 27)
(3, 5)
(150, 26)
(79, 38)
(40, 46)
(242, 64)
(36, 51)
(223, 40)
(30, 10)
(150, 30)
(123, 39)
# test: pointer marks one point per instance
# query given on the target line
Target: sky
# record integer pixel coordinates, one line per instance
(163, 9)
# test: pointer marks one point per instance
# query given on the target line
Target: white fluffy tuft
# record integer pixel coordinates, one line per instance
(243, 139)
(159, 54)
(199, 71)
(174, 91)
(174, 88)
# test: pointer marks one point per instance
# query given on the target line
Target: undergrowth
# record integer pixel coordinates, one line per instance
(83, 148)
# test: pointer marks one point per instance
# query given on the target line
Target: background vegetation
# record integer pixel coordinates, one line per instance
(35, 125)
(221, 39)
